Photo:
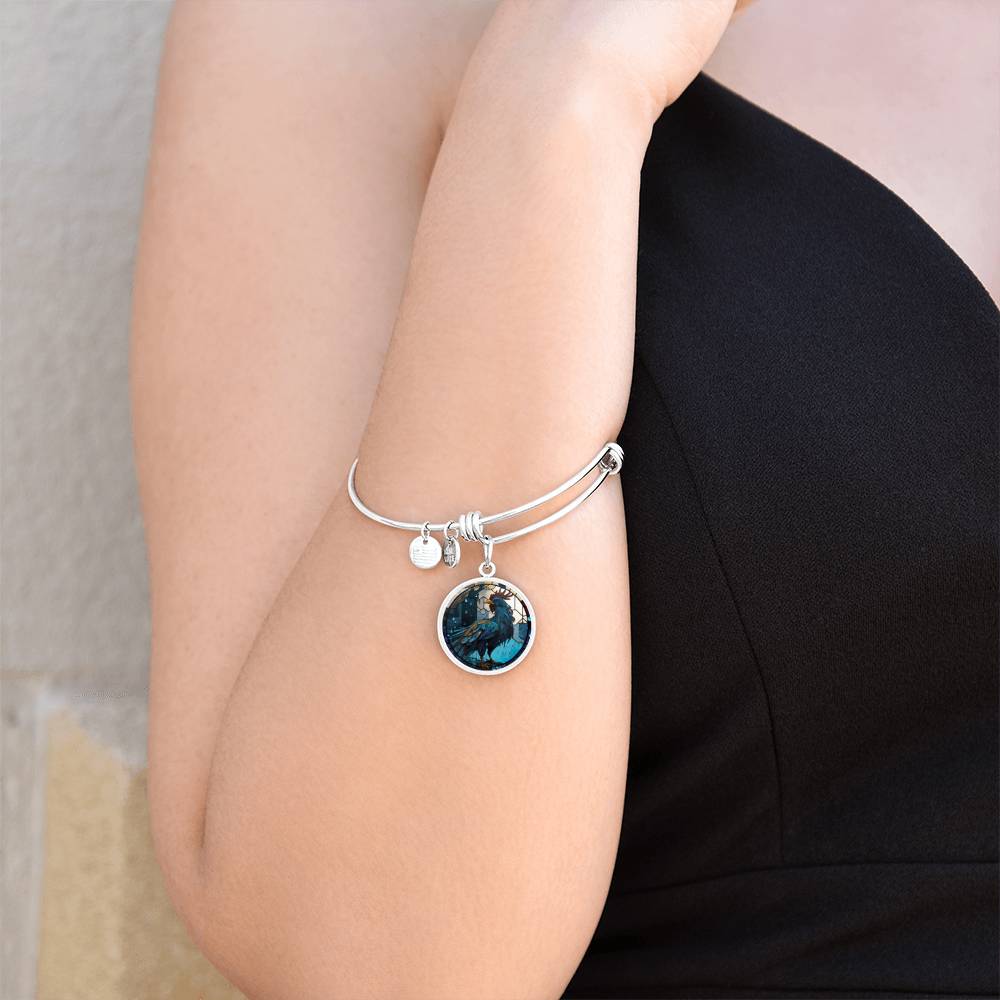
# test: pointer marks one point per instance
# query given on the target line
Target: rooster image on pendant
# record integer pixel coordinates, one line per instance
(486, 625)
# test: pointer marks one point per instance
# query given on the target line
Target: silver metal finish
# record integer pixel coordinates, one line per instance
(452, 552)
(452, 594)
(471, 526)
(425, 552)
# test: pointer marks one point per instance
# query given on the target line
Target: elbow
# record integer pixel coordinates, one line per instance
(176, 849)
(227, 899)
(289, 900)
(175, 825)
(216, 922)
(280, 933)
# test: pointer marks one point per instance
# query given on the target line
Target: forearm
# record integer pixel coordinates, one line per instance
(389, 825)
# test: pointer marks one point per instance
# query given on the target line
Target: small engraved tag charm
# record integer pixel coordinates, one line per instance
(452, 552)
(425, 552)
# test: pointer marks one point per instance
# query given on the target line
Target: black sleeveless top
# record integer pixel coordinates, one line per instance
(811, 493)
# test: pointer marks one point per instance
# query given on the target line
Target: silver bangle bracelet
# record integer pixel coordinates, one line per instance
(486, 625)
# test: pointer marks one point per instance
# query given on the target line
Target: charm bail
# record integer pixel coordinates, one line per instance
(486, 567)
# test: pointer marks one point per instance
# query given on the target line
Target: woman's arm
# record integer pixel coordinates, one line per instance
(289, 162)
(376, 822)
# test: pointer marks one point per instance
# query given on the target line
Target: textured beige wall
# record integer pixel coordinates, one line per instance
(83, 909)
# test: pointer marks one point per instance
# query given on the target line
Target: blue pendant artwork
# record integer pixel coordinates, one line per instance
(486, 625)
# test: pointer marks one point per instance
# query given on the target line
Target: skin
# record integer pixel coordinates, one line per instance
(338, 810)
(909, 90)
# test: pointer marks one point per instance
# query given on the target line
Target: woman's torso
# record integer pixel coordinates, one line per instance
(810, 491)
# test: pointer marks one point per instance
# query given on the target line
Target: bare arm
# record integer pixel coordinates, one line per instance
(289, 163)
(356, 817)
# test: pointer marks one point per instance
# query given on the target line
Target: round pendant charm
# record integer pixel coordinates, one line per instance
(425, 552)
(486, 625)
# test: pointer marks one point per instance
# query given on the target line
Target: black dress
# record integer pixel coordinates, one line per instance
(811, 493)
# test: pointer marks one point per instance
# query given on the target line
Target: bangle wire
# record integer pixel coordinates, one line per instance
(610, 459)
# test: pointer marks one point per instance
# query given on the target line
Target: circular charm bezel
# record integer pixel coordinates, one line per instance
(454, 592)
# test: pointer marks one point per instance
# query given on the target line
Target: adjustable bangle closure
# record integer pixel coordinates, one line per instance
(470, 526)
(486, 625)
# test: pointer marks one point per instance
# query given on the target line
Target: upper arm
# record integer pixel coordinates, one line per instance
(290, 157)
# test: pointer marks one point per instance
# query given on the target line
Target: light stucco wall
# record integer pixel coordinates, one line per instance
(83, 909)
